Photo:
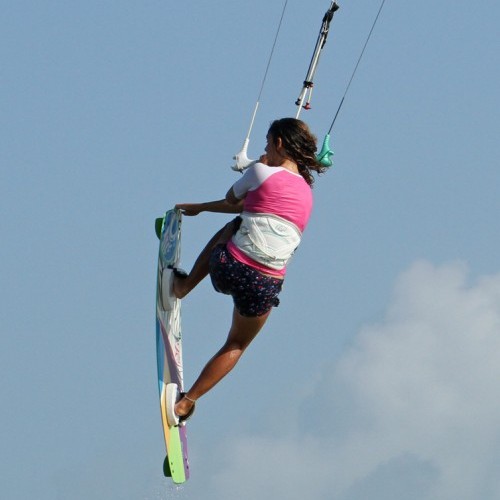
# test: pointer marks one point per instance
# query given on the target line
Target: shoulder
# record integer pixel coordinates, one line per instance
(254, 177)
(261, 170)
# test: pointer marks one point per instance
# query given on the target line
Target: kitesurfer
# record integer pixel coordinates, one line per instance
(247, 258)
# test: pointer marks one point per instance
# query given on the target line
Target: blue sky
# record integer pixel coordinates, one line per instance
(378, 372)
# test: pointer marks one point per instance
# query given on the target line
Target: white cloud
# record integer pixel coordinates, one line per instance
(411, 410)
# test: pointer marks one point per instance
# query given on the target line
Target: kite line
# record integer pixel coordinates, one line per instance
(357, 64)
(242, 160)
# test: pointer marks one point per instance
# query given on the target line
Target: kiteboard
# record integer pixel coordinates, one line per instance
(169, 343)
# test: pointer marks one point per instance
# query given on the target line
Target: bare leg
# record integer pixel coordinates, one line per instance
(182, 286)
(243, 331)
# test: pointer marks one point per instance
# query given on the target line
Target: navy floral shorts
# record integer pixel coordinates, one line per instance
(254, 293)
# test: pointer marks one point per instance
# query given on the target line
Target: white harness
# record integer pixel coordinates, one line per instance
(268, 239)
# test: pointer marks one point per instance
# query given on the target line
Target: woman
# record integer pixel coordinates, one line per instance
(247, 258)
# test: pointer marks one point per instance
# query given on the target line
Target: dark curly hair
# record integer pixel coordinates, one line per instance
(299, 145)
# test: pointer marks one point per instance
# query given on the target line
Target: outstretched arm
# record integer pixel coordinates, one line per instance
(229, 205)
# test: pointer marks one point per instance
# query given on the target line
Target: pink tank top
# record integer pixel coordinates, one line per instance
(275, 191)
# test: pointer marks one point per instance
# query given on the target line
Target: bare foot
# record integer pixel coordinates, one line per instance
(179, 288)
(183, 406)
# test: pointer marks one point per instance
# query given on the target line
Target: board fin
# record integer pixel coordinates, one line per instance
(166, 467)
(159, 226)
